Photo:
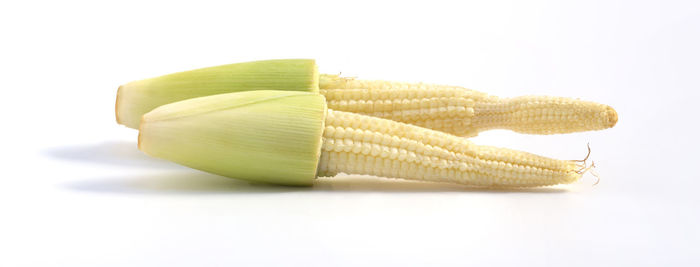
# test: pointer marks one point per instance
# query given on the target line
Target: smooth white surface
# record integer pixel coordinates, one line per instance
(75, 191)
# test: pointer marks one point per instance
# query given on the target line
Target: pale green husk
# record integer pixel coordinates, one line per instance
(266, 136)
(139, 97)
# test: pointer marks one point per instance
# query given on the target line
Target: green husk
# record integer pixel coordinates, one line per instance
(266, 136)
(139, 97)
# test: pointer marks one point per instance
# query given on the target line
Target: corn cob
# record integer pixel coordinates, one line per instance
(358, 144)
(462, 111)
(291, 138)
(451, 109)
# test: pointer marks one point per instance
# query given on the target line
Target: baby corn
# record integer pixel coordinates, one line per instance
(455, 110)
(291, 137)
(462, 111)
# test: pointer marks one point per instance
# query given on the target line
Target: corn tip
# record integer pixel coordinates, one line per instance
(612, 116)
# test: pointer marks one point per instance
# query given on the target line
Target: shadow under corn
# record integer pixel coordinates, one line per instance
(166, 177)
(194, 182)
(183, 182)
(119, 153)
(359, 183)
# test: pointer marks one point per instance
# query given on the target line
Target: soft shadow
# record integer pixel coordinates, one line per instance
(113, 153)
(185, 182)
(356, 183)
(193, 182)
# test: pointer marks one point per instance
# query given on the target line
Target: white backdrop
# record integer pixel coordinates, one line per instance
(75, 190)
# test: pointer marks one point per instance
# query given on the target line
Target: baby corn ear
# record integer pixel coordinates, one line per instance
(461, 111)
(266, 136)
(285, 137)
(358, 144)
(139, 97)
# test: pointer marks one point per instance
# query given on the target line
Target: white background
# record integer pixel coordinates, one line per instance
(75, 190)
